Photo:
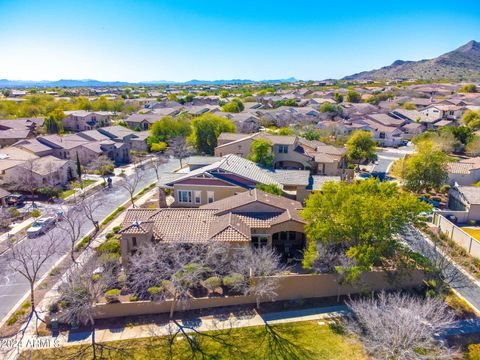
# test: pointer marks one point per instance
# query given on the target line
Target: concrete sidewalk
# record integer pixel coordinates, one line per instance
(16, 229)
(208, 323)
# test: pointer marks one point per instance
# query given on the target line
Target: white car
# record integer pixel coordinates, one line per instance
(41, 226)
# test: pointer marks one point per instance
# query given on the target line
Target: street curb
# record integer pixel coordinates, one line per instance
(475, 310)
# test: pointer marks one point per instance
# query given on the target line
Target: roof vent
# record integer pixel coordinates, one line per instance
(136, 223)
(4, 156)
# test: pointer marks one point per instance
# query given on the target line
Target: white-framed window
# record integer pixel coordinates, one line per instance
(259, 241)
(184, 196)
(210, 196)
(198, 196)
(283, 149)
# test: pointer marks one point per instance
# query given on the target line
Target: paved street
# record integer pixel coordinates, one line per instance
(387, 156)
(463, 284)
(13, 286)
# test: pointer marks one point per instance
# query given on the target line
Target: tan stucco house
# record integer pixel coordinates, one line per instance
(290, 152)
(252, 218)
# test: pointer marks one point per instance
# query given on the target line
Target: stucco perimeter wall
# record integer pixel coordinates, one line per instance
(291, 287)
(469, 243)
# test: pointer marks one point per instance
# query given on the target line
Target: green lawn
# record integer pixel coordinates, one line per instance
(302, 340)
(88, 182)
(69, 192)
(66, 193)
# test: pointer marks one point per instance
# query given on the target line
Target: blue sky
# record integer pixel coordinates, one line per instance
(187, 39)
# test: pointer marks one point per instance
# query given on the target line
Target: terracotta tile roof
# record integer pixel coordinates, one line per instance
(229, 227)
(217, 221)
(461, 167)
(248, 197)
(138, 227)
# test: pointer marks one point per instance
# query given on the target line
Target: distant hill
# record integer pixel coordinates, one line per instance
(460, 64)
(4, 83)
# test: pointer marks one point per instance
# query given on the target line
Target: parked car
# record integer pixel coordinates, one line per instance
(17, 200)
(41, 226)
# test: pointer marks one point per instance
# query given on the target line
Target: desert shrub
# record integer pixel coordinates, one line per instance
(212, 283)
(14, 212)
(444, 189)
(158, 147)
(112, 295)
(473, 352)
(232, 280)
(111, 246)
(36, 213)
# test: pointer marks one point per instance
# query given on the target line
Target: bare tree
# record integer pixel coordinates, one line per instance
(401, 326)
(102, 165)
(28, 259)
(29, 182)
(132, 182)
(441, 272)
(259, 268)
(71, 225)
(178, 148)
(156, 164)
(89, 207)
(173, 270)
(80, 291)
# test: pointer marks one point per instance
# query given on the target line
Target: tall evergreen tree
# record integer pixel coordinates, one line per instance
(79, 171)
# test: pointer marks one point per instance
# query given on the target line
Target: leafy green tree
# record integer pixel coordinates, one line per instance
(53, 122)
(409, 106)
(473, 147)
(353, 97)
(462, 135)
(375, 99)
(288, 102)
(234, 106)
(205, 131)
(359, 221)
(172, 97)
(426, 169)
(361, 146)
(469, 88)
(471, 119)
(270, 188)
(224, 93)
(338, 97)
(168, 127)
(79, 171)
(285, 131)
(261, 152)
(312, 134)
(445, 140)
(326, 107)
(158, 147)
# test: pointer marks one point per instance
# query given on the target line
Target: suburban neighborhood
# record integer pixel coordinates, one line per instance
(175, 204)
(335, 217)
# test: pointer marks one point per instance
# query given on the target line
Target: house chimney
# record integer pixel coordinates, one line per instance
(162, 198)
